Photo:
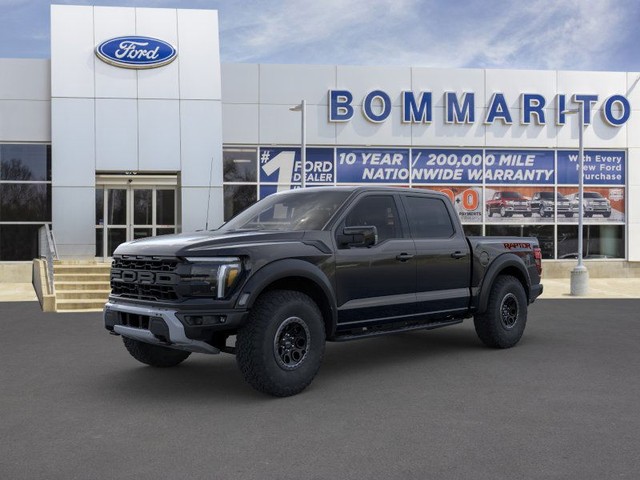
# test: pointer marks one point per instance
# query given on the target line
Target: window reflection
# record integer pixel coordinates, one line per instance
(25, 202)
(25, 163)
(237, 198)
(239, 164)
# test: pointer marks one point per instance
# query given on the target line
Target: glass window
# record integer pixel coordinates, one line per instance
(100, 207)
(142, 206)
(379, 211)
(25, 202)
(237, 198)
(115, 236)
(30, 163)
(18, 242)
(165, 231)
(139, 233)
(599, 241)
(99, 242)
(472, 230)
(239, 164)
(117, 206)
(166, 207)
(428, 218)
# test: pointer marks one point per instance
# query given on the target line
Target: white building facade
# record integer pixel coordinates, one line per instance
(107, 154)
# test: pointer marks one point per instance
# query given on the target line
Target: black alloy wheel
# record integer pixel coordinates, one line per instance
(291, 343)
(509, 310)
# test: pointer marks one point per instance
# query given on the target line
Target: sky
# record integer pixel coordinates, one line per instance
(531, 34)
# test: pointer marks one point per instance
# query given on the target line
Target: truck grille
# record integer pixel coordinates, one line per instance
(145, 278)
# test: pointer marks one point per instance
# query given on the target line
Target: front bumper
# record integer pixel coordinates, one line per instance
(162, 326)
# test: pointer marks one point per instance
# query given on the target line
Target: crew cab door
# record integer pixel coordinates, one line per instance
(443, 255)
(378, 281)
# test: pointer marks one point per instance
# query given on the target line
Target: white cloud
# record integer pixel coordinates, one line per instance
(548, 34)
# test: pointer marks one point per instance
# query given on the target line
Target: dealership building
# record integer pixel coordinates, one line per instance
(133, 128)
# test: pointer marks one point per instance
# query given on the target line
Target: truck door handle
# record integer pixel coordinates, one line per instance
(403, 257)
(458, 254)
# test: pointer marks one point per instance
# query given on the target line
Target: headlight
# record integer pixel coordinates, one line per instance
(510, 202)
(213, 276)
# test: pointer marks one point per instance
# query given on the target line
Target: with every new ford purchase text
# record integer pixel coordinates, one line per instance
(312, 265)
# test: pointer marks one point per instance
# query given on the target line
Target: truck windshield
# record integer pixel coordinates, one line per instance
(511, 195)
(300, 210)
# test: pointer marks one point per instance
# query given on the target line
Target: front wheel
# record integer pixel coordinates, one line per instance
(503, 323)
(280, 349)
(154, 355)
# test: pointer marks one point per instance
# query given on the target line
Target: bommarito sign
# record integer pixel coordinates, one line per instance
(460, 108)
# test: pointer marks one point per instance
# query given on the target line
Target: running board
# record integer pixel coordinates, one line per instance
(377, 331)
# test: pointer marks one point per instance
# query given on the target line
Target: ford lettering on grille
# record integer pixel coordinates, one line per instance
(133, 276)
(136, 52)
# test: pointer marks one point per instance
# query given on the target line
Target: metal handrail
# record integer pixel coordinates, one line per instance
(48, 251)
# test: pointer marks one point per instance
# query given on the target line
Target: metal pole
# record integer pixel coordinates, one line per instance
(303, 153)
(580, 274)
(581, 186)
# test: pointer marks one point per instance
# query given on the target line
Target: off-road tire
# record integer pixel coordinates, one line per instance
(503, 323)
(489, 212)
(154, 355)
(606, 215)
(262, 356)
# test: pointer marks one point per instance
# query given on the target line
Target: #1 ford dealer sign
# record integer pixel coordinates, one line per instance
(136, 52)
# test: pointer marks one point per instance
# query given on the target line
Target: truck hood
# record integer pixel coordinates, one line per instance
(204, 243)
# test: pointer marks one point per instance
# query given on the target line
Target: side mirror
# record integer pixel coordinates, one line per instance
(361, 236)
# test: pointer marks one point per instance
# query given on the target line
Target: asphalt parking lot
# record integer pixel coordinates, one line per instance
(564, 403)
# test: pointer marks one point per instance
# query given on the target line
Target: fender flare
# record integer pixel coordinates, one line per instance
(503, 261)
(291, 267)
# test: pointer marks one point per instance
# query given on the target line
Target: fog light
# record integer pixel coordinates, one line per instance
(199, 320)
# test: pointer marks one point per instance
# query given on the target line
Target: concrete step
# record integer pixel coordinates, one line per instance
(81, 269)
(81, 277)
(74, 304)
(62, 286)
(82, 294)
(79, 262)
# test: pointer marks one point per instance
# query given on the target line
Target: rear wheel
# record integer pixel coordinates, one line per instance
(503, 323)
(154, 355)
(280, 349)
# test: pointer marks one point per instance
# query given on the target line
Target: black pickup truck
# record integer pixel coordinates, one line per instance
(312, 265)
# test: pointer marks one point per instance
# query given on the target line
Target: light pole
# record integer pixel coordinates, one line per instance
(580, 274)
(302, 107)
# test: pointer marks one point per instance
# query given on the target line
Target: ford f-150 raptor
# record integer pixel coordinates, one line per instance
(312, 265)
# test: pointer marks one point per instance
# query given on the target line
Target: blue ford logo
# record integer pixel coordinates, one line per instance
(136, 52)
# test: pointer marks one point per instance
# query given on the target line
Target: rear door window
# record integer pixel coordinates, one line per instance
(428, 218)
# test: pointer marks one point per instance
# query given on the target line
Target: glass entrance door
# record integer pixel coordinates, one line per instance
(130, 212)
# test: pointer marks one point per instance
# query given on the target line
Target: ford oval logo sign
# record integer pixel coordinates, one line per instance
(136, 52)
